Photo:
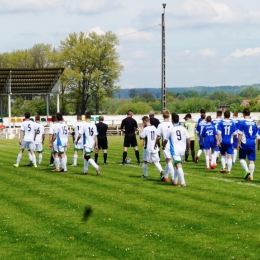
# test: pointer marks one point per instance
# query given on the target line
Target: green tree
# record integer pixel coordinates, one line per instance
(147, 97)
(133, 93)
(94, 64)
(250, 92)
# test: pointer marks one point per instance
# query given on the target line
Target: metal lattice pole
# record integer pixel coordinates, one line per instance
(163, 94)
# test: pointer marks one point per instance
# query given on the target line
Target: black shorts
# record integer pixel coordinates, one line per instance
(102, 142)
(130, 140)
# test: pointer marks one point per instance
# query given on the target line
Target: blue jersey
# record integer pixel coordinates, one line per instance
(236, 121)
(227, 129)
(199, 129)
(216, 121)
(209, 133)
(249, 131)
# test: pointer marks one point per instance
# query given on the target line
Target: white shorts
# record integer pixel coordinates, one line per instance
(167, 154)
(150, 157)
(88, 150)
(28, 145)
(177, 158)
(59, 149)
(78, 146)
(38, 148)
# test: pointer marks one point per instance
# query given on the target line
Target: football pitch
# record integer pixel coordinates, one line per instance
(217, 216)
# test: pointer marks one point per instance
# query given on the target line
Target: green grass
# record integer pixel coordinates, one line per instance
(215, 217)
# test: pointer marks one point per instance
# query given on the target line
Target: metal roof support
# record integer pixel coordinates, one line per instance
(58, 95)
(9, 91)
(47, 105)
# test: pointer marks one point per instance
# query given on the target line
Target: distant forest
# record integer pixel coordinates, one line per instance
(126, 93)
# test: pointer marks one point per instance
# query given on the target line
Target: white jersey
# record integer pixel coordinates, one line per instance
(62, 132)
(40, 132)
(28, 127)
(177, 138)
(77, 126)
(163, 129)
(149, 134)
(89, 131)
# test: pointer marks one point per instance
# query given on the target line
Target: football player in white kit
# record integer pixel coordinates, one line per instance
(89, 132)
(150, 152)
(162, 130)
(28, 129)
(39, 138)
(179, 140)
(61, 135)
(80, 145)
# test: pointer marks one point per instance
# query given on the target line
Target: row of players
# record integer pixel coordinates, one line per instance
(223, 136)
(32, 139)
(211, 139)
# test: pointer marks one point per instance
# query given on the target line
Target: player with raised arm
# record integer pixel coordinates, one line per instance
(161, 133)
(209, 138)
(39, 139)
(150, 152)
(26, 141)
(80, 146)
(247, 134)
(179, 143)
(226, 133)
(89, 131)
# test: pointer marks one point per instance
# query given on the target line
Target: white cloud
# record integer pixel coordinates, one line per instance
(208, 52)
(97, 30)
(140, 54)
(97, 6)
(132, 35)
(126, 63)
(247, 52)
(14, 6)
(254, 16)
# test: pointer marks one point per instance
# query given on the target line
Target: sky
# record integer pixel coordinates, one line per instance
(208, 42)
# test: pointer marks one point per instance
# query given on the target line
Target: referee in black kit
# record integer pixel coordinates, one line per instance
(129, 126)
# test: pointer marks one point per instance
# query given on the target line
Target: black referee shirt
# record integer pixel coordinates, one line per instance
(102, 129)
(129, 124)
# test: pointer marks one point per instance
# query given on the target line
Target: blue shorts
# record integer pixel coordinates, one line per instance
(226, 148)
(250, 152)
(209, 144)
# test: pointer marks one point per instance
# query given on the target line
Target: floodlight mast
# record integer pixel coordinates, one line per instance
(163, 94)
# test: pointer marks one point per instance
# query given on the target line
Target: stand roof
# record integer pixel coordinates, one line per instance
(29, 81)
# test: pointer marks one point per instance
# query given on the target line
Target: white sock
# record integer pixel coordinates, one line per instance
(234, 156)
(181, 175)
(92, 162)
(170, 170)
(244, 165)
(57, 162)
(207, 161)
(213, 159)
(40, 158)
(223, 161)
(30, 156)
(229, 163)
(251, 169)
(19, 157)
(34, 159)
(199, 153)
(85, 166)
(63, 164)
(144, 166)
(158, 166)
(166, 169)
(75, 158)
(176, 175)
